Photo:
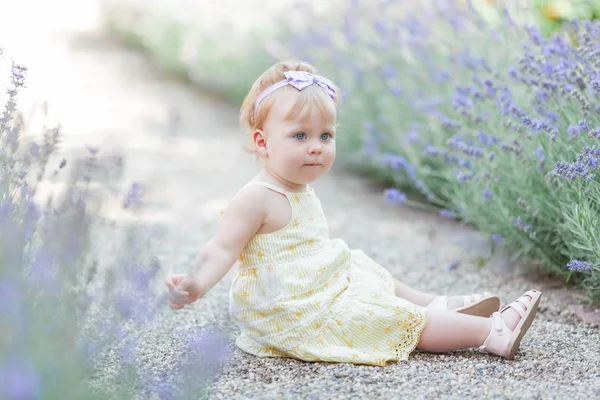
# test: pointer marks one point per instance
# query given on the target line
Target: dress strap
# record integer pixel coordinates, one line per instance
(268, 185)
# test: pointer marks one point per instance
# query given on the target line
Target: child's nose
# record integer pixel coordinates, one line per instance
(315, 148)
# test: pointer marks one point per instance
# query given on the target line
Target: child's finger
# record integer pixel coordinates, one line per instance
(174, 280)
(179, 296)
(177, 278)
(175, 306)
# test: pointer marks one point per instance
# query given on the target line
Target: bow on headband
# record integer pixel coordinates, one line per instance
(300, 80)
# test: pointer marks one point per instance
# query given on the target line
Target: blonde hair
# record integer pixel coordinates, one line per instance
(311, 96)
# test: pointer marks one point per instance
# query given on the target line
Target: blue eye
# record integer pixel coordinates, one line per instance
(326, 136)
(300, 136)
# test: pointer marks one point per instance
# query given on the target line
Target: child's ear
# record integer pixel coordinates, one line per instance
(260, 142)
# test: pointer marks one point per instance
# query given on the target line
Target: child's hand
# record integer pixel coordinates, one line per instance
(184, 289)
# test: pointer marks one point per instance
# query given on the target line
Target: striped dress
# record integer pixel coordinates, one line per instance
(297, 293)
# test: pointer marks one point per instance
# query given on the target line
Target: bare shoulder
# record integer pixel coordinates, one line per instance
(270, 208)
(251, 198)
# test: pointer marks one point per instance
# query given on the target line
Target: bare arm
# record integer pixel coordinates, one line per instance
(243, 218)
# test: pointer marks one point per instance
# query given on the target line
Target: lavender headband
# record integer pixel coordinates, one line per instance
(300, 80)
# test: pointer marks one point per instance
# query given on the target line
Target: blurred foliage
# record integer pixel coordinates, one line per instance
(77, 291)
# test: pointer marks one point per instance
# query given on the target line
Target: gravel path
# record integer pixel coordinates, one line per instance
(188, 148)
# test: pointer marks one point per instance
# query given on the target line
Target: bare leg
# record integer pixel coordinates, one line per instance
(413, 295)
(447, 331)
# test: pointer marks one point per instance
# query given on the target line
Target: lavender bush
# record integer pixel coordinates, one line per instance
(494, 123)
(77, 290)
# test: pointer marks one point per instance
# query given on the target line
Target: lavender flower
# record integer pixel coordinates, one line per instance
(576, 265)
(447, 214)
(394, 196)
(19, 380)
(587, 161)
(486, 139)
(595, 82)
(133, 197)
(394, 161)
(573, 131)
(431, 151)
(542, 157)
(486, 194)
(453, 265)
(572, 171)
(457, 144)
(413, 136)
(583, 125)
(497, 238)
(462, 177)
(519, 223)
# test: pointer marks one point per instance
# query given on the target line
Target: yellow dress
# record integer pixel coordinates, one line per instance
(297, 293)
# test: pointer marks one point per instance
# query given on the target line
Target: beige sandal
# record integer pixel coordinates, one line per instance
(480, 304)
(502, 341)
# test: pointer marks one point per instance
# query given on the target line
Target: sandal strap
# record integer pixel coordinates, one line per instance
(520, 305)
(496, 330)
(497, 322)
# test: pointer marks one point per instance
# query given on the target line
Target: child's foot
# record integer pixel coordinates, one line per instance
(480, 304)
(511, 315)
(510, 325)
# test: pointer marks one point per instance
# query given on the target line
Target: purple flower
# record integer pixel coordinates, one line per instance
(456, 144)
(133, 197)
(449, 124)
(576, 265)
(19, 380)
(396, 90)
(486, 194)
(433, 151)
(497, 238)
(595, 82)
(584, 126)
(540, 154)
(573, 131)
(394, 196)
(389, 71)
(519, 223)
(413, 136)
(486, 139)
(394, 161)
(447, 213)
(587, 160)
(571, 171)
(453, 265)
(369, 146)
(92, 150)
(462, 177)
